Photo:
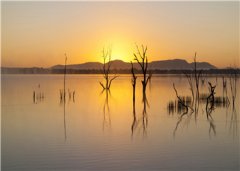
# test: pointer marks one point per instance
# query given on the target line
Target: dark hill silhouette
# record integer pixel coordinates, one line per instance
(170, 64)
(175, 64)
(84, 66)
(204, 65)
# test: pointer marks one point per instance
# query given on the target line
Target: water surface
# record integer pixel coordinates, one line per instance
(98, 130)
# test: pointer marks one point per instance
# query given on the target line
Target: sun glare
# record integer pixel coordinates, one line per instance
(121, 51)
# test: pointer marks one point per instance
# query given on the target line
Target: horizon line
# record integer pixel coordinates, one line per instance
(230, 66)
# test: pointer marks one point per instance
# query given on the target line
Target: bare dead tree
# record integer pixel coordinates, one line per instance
(190, 82)
(142, 60)
(197, 75)
(64, 82)
(134, 79)
(210, 100)
(181, 101)
(106, 54)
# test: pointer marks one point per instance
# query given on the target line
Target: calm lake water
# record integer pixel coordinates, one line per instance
(97, 130)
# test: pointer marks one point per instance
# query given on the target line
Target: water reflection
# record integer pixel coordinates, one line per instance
(210, 107)
(84, 149)
(187, 120)
(63, 94)
(140, 123)
(210, 101)
(233, 126)
(63, 100)
(134, 122)
(144, 113)
(106, 110)
(63, 103)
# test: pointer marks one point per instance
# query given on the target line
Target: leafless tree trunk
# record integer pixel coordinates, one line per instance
(134, 79)
(233, 85)
(64, 81)
(210, 100)
(190, 82)
(197, 75)
(181, 101)
(106, 54)
(142, 60)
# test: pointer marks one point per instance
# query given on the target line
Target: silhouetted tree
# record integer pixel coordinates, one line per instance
(64, 83)
(197, 75)
(210, 108)
(134, 79)
(142, 60)
(106, 54)
(210, 100)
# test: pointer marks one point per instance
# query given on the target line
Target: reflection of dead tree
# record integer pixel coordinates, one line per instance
(141, 122)
(185, 105)
(64, 121)
(134, 123)
(63, 98)
(106, 54)
(145, 103)
(180, 120)
(212, 127)
(142, 60)
(144, 114)
(225, 93)
(224, 83)
(106, 112)
(233, 85)
(202, 80)
(234, 123)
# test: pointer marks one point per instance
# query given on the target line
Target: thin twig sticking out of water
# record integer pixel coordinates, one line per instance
(64, 82)
(233, 86)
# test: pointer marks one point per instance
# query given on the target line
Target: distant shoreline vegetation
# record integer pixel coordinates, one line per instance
(36, 70)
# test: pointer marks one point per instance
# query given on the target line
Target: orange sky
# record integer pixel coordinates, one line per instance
(39, 33)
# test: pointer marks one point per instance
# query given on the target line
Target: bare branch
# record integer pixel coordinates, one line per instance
(110, 82)
(102, 85)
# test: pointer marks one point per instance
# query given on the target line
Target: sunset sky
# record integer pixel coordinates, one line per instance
(39, 33)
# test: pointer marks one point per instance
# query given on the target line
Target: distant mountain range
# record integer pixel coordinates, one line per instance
(175, 64)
